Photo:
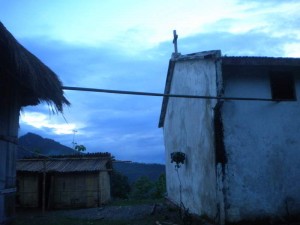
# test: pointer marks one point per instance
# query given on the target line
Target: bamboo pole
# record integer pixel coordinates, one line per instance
(44, 187)
(51, 191)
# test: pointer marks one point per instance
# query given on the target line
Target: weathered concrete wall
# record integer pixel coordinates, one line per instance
(262, 141)
(188, 128)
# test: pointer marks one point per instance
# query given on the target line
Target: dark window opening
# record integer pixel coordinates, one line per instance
(282, 86)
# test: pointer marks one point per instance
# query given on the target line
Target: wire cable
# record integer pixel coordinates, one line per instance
(162, 95)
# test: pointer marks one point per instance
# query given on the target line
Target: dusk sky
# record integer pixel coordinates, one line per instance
(126, 45)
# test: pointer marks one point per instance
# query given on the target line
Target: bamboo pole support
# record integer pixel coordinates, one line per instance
(44, 187)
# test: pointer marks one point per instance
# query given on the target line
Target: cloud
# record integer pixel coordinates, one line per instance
(275, 18)
(105, 122)
(127, 125)
(252, 43)
(40, 121)
(135, 58)
(131, 26)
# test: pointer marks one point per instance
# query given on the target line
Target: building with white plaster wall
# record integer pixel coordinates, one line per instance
(243, 147)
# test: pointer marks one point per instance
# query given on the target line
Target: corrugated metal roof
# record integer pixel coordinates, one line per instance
(62, 165)
(257, 61)
(225, 61)
(213, 54)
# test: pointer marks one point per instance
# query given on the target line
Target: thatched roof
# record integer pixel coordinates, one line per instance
(24, 75)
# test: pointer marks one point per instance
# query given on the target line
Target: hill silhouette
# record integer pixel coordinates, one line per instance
(135, 170)
(31, 143)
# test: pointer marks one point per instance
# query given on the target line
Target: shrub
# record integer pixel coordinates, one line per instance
(120, 187)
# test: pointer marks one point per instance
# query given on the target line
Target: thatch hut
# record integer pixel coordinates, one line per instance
(24, 80)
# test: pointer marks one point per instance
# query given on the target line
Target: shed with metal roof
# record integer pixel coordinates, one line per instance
(63, 182)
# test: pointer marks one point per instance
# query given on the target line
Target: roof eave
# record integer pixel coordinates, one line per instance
(34, 81)
(167, 91)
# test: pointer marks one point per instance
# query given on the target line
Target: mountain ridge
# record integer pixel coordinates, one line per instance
(31, 145)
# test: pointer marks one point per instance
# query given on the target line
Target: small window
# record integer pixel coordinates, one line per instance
(282, 86)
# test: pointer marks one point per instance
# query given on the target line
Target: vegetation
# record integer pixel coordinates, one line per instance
(80, 148)
(120, 187)
(160, 186)
(143, 188)
(177, 157)
(136, 170)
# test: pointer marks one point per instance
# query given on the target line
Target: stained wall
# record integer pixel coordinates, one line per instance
(262, 143)
(188, 127)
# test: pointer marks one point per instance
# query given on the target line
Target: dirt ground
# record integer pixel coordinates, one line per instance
(110, 212)
(158, 214)
(142, 214)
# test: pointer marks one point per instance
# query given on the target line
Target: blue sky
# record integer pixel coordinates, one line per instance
(126, 45)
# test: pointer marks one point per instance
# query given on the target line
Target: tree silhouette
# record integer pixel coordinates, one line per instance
(80, 148)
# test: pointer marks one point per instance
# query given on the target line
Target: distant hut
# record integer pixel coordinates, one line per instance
(68, 181)
(24, 80)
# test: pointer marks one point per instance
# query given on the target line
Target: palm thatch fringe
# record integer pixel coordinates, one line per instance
(27, 75)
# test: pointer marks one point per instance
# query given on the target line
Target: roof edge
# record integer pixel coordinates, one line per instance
(213, 54)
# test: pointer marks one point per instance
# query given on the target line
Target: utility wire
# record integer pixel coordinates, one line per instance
(162, 95)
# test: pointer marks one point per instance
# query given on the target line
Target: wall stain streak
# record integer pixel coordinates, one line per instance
(219, 135)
